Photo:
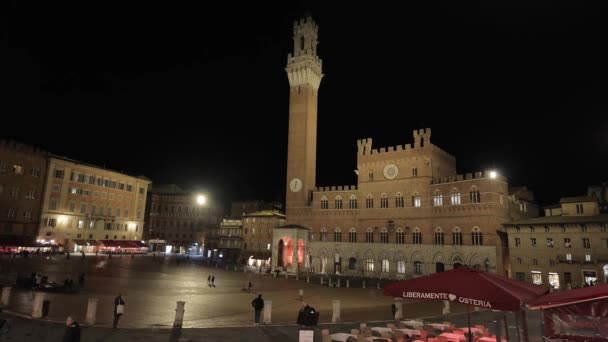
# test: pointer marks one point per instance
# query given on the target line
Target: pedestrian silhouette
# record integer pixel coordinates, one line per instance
(213, 280)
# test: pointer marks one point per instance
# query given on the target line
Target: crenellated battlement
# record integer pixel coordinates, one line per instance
(304, 67)
(336, 188)
(467, 177)
(305, 24)
(422, 142)
(15, 146)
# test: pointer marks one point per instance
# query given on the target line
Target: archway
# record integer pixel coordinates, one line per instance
(280, 253)
(439, 267)
(457, 265)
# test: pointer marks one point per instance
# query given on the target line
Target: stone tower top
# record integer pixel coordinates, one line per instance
(304, 66)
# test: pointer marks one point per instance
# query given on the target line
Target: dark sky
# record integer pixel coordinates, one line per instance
(197, 94)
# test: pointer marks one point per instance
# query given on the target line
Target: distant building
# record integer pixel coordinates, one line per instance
(223, 243)
(410, 212)
(600, 193)
(257, 236)
(568, 247)
(240, 208)
(22, 175)
(176, 222)
(84, 205)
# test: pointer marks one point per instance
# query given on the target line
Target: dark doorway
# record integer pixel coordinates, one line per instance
(439, 267)
(280, 254)
(457, 265)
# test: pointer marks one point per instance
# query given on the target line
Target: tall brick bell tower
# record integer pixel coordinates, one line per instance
(304, 73)
(289, 247)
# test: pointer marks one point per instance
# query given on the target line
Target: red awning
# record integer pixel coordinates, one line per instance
(468, 286)
(570, 297)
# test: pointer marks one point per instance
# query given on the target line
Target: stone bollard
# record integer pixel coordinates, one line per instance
(446, 307)
(378, 285)
(6, 296)
(308, 279)
(179, 314)
(92, 311)
(364, 284)
(325, 336)
(347, 283)
(267, 312)
(321, 280)
(37, 305)
(329, 282)
(335, 318)
(338, 285)
(399, 306)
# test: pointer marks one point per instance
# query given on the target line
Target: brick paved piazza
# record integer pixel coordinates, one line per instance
(151, 287)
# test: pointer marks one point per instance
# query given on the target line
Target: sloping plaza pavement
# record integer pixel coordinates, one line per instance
(152, 285)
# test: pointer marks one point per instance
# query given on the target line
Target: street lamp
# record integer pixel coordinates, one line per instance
(493, 174)
(200, 199)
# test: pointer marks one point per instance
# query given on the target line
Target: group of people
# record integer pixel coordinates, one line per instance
(72, 331)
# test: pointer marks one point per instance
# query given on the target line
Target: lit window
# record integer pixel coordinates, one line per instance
(416, 201)
(401, 266)
(385, 265)
(455, 198)
(438, 200)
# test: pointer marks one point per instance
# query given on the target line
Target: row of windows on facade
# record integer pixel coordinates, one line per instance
(400, 236)
(18, 169)
(84, 192)
(261, 232)
(175, 224)
(566, 257)
(11, 213)
(259, 247)
(107, 237)
(15, 190)
(95, 180)
(547, 229)
(81, 224)
(586, 242)
(385, 266)
(186, 209)
(474, 197)
(101, 210)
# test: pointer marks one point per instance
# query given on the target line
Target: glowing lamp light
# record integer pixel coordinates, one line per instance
(493, 174)
(200, 199)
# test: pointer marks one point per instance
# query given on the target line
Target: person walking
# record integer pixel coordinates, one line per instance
(250, 287)
(119, 309)
(213, 280)
(72, 331)
(258, 305)
(209, 280)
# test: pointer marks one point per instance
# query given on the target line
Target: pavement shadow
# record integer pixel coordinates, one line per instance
(176, 333)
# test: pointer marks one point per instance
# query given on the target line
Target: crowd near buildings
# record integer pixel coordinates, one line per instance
(411, 212)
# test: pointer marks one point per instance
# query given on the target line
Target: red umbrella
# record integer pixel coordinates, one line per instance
(468, 286)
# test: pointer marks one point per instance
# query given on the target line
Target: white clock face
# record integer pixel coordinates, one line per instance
(390, 171)
(295, 185)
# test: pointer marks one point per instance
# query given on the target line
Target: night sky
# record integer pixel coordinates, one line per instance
(198, 96)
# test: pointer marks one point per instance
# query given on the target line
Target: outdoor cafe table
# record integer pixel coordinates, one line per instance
(454, 337)
(341, 337)
(382, 330)
(487, 339)
(439, 326)
(473, 330)
(409, 332)
(413, 323)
